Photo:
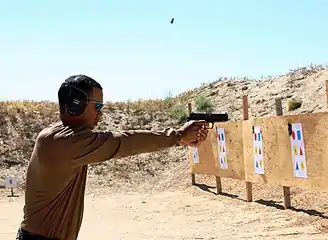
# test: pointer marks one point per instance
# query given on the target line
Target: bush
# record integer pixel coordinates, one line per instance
(169, 100)
(203, 104)
(294, 104)
(179, 112)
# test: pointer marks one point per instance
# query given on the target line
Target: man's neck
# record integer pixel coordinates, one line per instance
(72, 121)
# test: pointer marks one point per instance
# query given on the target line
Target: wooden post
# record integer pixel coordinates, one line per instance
(193, 177)
(249, 190)
(218, 185)
(327, 92)
(286, 190)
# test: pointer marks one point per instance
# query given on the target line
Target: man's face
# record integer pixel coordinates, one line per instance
(91, 114)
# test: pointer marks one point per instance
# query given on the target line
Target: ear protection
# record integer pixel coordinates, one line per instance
(76, 100)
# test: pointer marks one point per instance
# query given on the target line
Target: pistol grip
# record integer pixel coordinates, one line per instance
(209, 127)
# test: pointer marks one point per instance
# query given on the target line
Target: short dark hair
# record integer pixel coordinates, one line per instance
(79, 81)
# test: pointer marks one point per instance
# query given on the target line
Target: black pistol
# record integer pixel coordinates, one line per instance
(209, 117)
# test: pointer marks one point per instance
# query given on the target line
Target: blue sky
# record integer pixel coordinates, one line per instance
(131, 48)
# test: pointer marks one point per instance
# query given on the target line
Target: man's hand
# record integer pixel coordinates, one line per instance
(193, 133)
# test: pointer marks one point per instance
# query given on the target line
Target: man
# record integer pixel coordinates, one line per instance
(56, 175)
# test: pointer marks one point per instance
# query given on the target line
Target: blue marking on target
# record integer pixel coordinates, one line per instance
(299, 135)
(259, 137)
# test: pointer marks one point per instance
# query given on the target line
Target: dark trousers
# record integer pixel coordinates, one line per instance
(25, 235)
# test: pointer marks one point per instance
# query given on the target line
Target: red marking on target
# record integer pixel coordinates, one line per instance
(293, 135)
(255, 136)
(301, 152)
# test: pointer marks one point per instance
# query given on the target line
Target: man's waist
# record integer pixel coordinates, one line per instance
(26, 235)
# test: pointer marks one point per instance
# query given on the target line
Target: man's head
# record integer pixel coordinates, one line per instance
(80, 101)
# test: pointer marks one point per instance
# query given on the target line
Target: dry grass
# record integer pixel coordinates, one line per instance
(21, 121)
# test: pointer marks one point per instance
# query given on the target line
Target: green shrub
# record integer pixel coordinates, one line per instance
(179, 112)
(203, 104)
(294, 104)
(169, 100)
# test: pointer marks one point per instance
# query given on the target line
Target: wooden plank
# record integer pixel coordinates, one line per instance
(234, 150)
(315, 132)
(206, 165)
(278, 164)
(269, 151)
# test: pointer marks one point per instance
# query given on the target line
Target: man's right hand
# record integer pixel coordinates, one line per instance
(193, 133)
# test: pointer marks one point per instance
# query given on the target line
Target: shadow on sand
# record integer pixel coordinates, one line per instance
(268, 203)
(208, 188)
(277, 205)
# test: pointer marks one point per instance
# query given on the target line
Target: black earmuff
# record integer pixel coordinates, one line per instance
(76, 100)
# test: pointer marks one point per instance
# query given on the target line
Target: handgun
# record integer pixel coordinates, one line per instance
(209, 117)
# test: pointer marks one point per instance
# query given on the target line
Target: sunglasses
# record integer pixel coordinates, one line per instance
(98, 105)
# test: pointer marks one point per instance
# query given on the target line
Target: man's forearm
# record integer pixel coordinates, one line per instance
(93, 147)
(142, 141)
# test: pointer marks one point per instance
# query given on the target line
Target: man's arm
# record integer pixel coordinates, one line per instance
(94, 147)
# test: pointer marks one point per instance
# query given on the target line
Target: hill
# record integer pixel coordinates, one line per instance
(302, 91)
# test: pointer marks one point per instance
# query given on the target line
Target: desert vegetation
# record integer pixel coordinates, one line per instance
(302, 90)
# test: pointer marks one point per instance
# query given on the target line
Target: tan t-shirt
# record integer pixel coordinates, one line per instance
(56, 175)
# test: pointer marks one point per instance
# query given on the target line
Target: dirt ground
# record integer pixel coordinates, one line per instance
(183, 214)
(174, 209)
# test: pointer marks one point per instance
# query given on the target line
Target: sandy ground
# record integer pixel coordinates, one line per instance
(185, 214)
(189, 214)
